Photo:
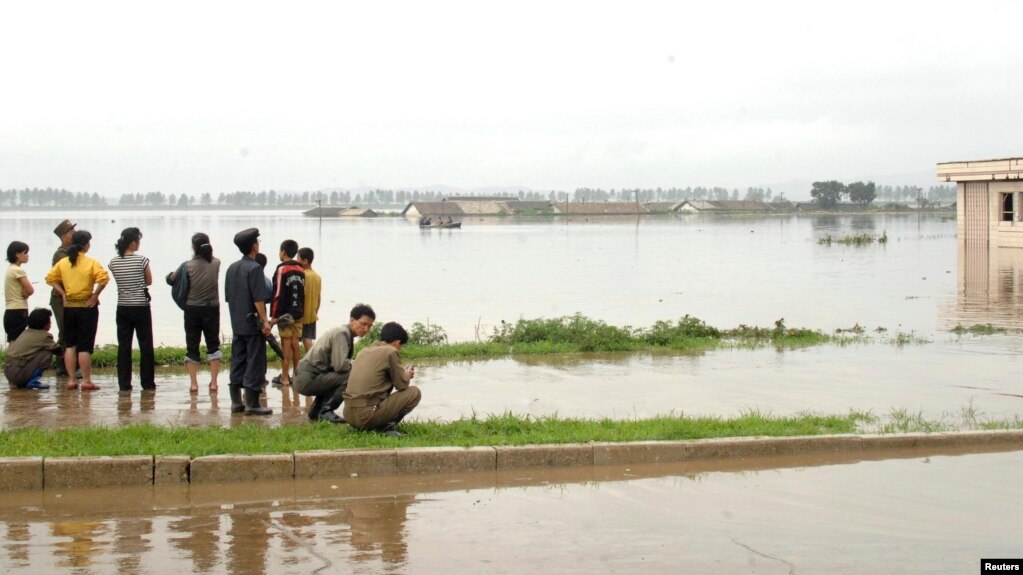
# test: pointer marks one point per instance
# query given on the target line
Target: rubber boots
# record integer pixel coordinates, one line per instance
(315, 408)
(329, 411)
(252, 406)
(390, 429)
(236, 399)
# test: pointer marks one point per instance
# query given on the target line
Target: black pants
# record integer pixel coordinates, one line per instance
(15, 322)
(135, 321)
(202, 321)
(57, 305)
(248, 361)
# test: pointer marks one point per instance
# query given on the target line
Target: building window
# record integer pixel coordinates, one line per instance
(1007, 211)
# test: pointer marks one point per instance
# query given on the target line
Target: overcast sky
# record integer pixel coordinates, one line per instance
(222, 96)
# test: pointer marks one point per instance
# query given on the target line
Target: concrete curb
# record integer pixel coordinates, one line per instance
(77, 472)
(24, 473)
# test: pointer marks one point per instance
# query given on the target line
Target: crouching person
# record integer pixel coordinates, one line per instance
(369, 403)
(33, 351)
(323, 372)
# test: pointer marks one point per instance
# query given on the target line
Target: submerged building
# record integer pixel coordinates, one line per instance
(989, 200)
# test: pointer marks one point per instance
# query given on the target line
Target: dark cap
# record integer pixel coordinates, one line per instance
(63, 228)
(245, 239)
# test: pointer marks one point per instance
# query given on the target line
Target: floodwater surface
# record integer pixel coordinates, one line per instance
(727, 271)
(626, 271)
(939, 512)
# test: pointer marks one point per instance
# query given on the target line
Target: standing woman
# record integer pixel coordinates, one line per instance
(132, 273)
(79, 280)
(17, 288)
(202, 309)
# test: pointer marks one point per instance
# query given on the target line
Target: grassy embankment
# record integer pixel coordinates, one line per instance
(580, 334)
(504, 429)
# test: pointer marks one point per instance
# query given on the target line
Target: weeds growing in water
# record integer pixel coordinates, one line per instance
(860, 239)
(902, 338)
(576, 334)
(978, 329)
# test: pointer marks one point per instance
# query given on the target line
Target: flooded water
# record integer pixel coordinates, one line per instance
(624, 271)
(726, 271)
(937, 512)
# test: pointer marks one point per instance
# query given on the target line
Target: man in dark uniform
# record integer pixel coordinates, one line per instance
(63, 231)
(245, 291)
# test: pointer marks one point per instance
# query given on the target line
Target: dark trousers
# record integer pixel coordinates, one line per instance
(202, 321)
(18, 374)
(15, 322)
(57, 305)
(248, 361)
(325, 385)
(135, 321)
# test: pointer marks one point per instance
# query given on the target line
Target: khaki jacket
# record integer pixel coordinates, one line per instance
(375, 371)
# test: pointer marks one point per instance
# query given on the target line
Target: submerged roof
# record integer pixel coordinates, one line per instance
(981, 170)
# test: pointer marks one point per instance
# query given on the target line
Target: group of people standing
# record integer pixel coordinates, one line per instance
(327, 372)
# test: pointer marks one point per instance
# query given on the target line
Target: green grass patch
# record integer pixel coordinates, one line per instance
(978, 329)
(570, 334)
(860, 239)
(504, 429)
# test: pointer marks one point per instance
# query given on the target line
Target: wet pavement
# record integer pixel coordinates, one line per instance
(938, 512)
(940, 380)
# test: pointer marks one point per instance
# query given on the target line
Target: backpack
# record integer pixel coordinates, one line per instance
(179, 289)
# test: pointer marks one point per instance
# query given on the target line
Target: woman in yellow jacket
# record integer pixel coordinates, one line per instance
(79, 280)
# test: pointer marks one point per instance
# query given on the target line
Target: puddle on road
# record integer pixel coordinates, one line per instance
(833, 513)
(938, 380)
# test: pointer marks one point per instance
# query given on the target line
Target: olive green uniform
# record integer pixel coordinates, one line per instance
(56, 302)
(369, 403)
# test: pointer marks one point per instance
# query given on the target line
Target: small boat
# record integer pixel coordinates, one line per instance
(441, 226)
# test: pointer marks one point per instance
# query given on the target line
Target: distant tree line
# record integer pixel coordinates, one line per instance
(671, 194)
(934, 194)
(831, 192)
(856, 192)
(40, 197)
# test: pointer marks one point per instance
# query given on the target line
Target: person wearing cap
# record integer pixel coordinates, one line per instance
(63, 231)
(79, 279)
(245, 292)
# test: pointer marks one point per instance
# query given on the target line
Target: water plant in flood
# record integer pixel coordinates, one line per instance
(978, 329)
(573, 334)
(860, 239)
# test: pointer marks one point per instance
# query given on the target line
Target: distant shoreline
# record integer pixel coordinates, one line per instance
(388, 212)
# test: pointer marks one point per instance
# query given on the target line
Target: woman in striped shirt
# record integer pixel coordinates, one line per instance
(79, 280)
(132, 273)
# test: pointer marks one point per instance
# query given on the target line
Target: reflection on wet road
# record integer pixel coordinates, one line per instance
(819, 514)
(939, 379)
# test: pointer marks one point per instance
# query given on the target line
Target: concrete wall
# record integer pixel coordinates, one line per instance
(1006, 234)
